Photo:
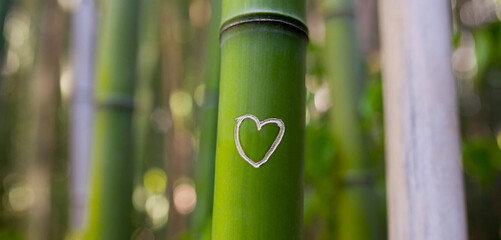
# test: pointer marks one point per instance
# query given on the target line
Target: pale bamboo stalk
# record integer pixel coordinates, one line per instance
(82, 113)
(425, 188)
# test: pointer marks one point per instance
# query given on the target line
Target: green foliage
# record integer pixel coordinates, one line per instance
(10, 234)
(482, 160)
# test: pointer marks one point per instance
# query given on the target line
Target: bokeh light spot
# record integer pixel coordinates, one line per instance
(155, 180)
(139, 197)
(185, 198)
(199, 94)
(21, 197)
(180, 104)
(322, 99)
(157, 208)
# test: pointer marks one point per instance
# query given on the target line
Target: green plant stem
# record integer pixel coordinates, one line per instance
(262, 73)
(202, 217)
(111, 205)
(355, 204)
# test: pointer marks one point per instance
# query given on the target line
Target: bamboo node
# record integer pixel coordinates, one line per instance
(115, 101)
(263, 17)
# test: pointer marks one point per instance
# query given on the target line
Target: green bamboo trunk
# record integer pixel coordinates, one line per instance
(263, 47)
(111, 205)
(202, 217)
(355, 203)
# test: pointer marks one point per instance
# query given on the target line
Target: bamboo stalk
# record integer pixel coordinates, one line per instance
(84, 31)
(43, 90)
(149, 137)
(5, 118)
(111, 205)
(202, 217)
(4, 10)
(177, 147)
(146, 92)
(355, 209)
(262, 73)
(424, 181)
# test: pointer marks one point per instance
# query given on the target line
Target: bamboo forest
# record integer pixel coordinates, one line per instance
(250, 119)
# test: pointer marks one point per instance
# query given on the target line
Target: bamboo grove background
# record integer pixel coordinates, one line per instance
(60, 59)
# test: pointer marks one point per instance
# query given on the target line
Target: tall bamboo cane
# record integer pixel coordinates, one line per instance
(147, 91)
(43, 100)
(201, 223)
(424, 181)
(355, 208)
(148, 139)
(263, 47)
(111, 205)
(84, 31)
(5, 130)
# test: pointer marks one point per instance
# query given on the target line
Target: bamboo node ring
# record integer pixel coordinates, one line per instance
(262, 17)
(259, 125)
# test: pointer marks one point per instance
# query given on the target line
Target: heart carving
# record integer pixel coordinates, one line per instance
(259, 124)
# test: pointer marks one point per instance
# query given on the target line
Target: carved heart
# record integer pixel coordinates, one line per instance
(259, 124)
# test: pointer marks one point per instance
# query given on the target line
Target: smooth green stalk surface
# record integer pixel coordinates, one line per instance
(262, 73)
(355, 203)
(202, 217)
(111, 204)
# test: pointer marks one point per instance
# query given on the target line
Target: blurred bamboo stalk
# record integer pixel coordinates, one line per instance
(172, 75)
(263, 48)
(202, 216)
(149, 119)
(44, 97)
(148, 75)
(82, 113)
(424, 179)
(4, 10)
(7, 115)
(178, 142)
(112, 170)
(355, 204)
